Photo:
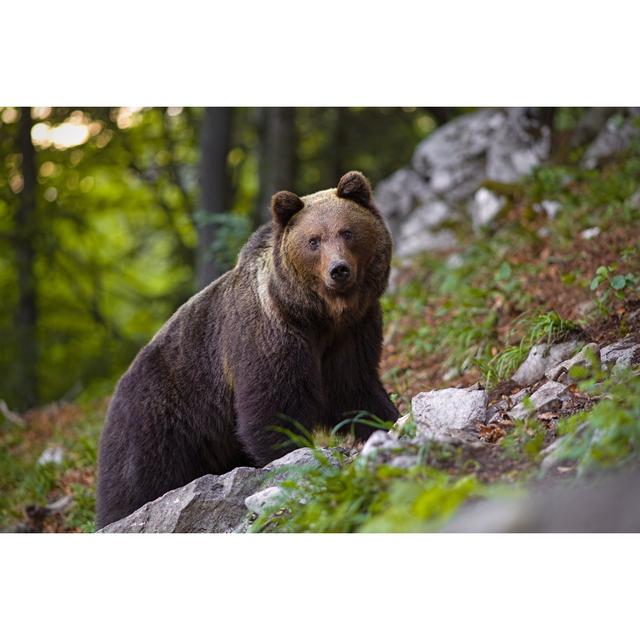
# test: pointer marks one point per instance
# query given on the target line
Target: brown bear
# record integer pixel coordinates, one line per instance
(292, 333)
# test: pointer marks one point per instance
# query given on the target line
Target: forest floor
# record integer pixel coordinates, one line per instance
(451, 320)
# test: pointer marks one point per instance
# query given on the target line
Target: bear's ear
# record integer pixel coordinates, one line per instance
(284, 205)
(356, 187)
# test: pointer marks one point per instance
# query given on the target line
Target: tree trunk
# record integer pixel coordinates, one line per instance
(276, 156)
(26, 315)
(215, 188)
(339, 144)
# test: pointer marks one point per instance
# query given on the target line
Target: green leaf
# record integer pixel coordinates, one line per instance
(618, 282)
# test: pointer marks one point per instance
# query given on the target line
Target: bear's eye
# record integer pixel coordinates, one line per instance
(346, 234)
(314, 243)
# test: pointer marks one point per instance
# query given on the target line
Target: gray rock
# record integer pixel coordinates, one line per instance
(548, 397)
(210, 504)
(452, 158)
(540, 359)
(449, 167)
(605, 505)
(438, 413)
(403, 461)
(620, 354)
(413, 212)
(484, 207)
(634, 199)
(518, 146)
(613, 139)
(258, 502)
(590, 233)
(549, 207)
(378, 441)
(399, 194)
(303, 457)
(583, 358)
(51, 455)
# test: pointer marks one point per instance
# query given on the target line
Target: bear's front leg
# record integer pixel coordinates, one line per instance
(276, 388)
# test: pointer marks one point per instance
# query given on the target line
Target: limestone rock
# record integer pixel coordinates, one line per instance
(210, 504)
(51, 455)
(540, 359)
(452, 158)
(449, 167)
(613, 139)
(518, 146)
(437, 413)
(485, 207)
(258, 502)
(379, 440)
(583, 358)
(548, 397)
(620, 354)
(605, 505)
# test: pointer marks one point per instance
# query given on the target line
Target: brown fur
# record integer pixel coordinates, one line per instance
(277, 339)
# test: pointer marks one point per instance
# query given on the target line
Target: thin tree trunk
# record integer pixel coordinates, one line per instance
(339, 146)
(215, 189)
(277, 155)
(26, 315)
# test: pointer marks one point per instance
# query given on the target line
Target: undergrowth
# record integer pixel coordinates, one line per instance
(361, 497)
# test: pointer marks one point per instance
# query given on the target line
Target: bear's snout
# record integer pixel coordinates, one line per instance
(340, 271)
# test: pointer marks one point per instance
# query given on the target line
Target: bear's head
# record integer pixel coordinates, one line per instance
(334, 244)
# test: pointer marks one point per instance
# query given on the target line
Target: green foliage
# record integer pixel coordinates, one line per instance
(25, 482)
(367, 498)
(232, 231)
(546, 328)
(607, 284)
(526, 437)
(608, 434)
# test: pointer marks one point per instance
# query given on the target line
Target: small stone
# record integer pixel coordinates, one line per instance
(634, 199)
(548, 397)
(485, 207)
(403, 462)
(619, 355)
(548, 207)
(584, 358)
(303, 457)
(592, 232)
(378, 440)
(51, 455)
(540, 359)
(262, 500)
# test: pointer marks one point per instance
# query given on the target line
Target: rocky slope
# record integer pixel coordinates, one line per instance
(463, 419)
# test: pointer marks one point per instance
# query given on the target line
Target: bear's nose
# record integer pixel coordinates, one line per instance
(340, 271)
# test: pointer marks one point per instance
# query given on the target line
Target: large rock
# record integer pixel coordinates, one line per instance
(210, 504)
(453, 158)
(540, 359)
(615, 138)
(519, 146)
(439, 413)
(608, 505)
(216, 504)
(449, 167)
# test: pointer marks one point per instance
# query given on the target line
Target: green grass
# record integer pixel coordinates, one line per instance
(24, 482)
(364, 497)
(607, 435)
